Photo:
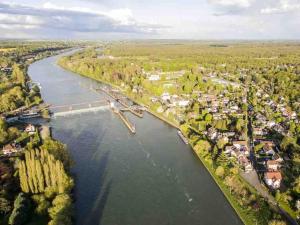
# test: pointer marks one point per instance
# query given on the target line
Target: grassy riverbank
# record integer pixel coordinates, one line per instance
(242, 213)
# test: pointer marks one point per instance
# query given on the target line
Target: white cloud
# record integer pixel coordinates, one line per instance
(54, 20)
(20, 19)
(232, 3)
(124, 16)
(284, 6)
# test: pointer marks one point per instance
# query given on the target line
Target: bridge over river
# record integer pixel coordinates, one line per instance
(79, 108)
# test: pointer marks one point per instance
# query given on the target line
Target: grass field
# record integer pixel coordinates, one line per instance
(6, 49)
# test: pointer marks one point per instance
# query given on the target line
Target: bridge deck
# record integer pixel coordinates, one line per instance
(79, 111)
(77, 108)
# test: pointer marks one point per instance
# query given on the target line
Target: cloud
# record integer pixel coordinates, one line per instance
(232, 3)
(114, 19)
(256, 19)
(284, 6)
(254, 7)
(230, 7)
(7, 19)
(51, 18)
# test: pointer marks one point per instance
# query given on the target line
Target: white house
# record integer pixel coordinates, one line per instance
(293, 115)
(273, 165)
(183, 103)
(298, 204)
(241, 146)
(154, 99)
(228, 134)
(258, 94)
(9, 149)
(245, 163)
(217, 116)
(154, 77)
(271, 124)
(273, 179)
(165, 96)
(112, 105)
(225, 100)
(229, 150)
(135, 89)
(30, 129)
(212, 133)
(258, 131)
(234, 108)
(215, 103)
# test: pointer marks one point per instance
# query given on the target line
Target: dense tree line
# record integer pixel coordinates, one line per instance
(7, 133)
(41, 172)
(44, 175)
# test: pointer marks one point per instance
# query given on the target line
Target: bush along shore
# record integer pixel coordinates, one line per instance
(36, 184)
(127, 74)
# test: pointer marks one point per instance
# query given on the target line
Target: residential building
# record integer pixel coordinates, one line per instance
(30, 129)
(273, 165)
(183, 103)
(273, 179)
(9, 149)
(165, 96)
(154, 77)
(259, 131)
(245, 163)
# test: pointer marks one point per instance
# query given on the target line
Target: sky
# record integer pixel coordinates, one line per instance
(151, 19)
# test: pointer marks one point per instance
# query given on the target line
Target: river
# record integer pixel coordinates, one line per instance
(150, 178)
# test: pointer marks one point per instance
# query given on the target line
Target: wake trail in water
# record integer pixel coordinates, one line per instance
(169, 173)
(148, 154)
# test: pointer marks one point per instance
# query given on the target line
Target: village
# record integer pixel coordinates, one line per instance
(29, 133)
(253, 148)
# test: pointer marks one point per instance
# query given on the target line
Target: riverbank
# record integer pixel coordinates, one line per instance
(154, 113)
(239, 211)
(56, 152)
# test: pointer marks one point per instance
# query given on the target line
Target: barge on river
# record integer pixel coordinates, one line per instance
(183, 138)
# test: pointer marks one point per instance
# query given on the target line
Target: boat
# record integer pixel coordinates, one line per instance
(183, 138)
(133, 129)
(29, 115)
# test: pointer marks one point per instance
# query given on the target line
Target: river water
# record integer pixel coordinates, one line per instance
(150, 178)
